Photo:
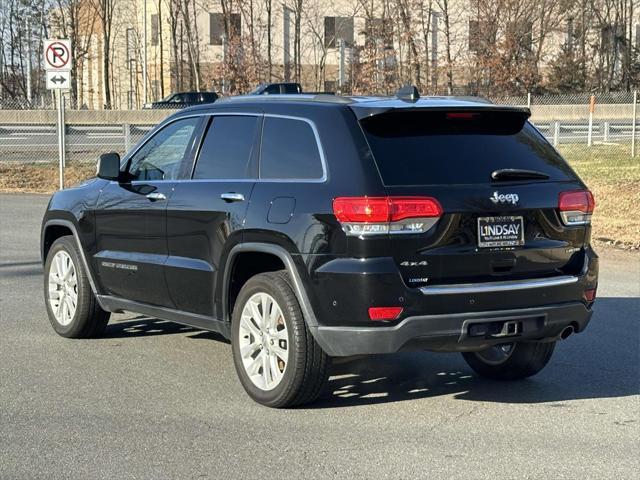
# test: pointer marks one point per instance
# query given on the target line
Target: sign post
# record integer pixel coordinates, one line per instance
(58, 61)
(633, 123)
(592, 108)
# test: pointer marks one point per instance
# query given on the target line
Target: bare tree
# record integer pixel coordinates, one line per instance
(269, 8)
(105, 10)
(75, 22)
(188, 11)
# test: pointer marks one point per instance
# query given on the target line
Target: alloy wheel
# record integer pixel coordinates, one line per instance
(63, 288)
(263, 341)
(497, 354)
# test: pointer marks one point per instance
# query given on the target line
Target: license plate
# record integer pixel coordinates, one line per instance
(500, 231)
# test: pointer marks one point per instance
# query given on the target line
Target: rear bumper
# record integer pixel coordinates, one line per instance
(450, 333)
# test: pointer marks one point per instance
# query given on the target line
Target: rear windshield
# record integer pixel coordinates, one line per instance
(437, 147)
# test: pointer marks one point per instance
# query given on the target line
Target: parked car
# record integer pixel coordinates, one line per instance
(184, 99)
(304, 228)
(277, 89)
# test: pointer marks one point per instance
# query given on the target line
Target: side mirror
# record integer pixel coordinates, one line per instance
(109, 166)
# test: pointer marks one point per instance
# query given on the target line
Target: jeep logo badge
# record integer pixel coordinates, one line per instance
(511, 198)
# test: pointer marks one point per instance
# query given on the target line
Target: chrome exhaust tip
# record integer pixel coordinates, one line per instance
(567, 332)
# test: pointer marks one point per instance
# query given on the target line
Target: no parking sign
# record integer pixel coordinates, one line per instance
(57, 61)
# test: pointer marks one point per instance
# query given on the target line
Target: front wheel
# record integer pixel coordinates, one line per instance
(510, 361)
(72, 307)
(277, 359)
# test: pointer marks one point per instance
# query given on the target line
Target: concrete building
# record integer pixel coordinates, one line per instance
(361, 46)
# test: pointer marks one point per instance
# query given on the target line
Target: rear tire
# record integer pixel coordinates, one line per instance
(71, 305)
(277, 359)
(522, 360)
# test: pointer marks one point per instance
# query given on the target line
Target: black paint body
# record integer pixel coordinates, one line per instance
(180, 248)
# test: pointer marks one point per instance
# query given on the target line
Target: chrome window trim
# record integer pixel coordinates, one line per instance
(167, 122)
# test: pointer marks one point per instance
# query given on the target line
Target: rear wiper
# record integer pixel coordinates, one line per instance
(518, 174)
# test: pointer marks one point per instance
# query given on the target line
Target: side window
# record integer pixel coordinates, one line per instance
(161, 156)
(226, 149)
(289, 150)
(191, 97)
(272, 90)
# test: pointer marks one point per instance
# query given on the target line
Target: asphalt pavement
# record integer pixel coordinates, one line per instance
(156, 400)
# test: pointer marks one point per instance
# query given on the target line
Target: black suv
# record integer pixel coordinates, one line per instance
(309, 227)
(184, 99)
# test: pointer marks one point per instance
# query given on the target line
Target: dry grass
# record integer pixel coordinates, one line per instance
(614, 178)
(608, 170)
(41, 178)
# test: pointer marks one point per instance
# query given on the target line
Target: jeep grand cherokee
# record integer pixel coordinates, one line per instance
(309, 227)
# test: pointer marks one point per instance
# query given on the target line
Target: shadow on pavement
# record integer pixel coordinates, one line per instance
(20, 264)
(20, 269)
(143, 326)
(601, 362)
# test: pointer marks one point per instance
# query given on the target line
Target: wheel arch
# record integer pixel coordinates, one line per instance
(287, 262)
(56, 228)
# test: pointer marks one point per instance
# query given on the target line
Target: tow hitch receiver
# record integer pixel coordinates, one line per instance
(508, 329)
(496, 329)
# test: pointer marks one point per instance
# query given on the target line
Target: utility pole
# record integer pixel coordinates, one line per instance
(225, 53)
(633, 123)
(434, 51)
(341, 65)
(144, 54)
(1, 68)
(286, 42)
(28, 21)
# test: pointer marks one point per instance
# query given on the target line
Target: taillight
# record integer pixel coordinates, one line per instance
(576, 207)
(461, 115)
(590, 294)
(380, 215)
(384, 313)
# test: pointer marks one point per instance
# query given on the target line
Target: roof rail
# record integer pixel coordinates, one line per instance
(286, 97)
(408, 93)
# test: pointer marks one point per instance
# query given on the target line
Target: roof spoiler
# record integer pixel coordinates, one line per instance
(363, 111)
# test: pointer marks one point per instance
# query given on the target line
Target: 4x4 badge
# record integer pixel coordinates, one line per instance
(406, 263)
(504, 198)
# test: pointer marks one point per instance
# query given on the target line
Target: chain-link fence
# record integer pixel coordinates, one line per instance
(584, 124)
(30, 140)
(581, 126)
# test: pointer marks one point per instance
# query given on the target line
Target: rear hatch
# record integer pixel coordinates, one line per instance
(498, 182)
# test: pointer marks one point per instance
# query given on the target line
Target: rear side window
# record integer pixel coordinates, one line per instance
(190, 97)
(208, 97)
(226, 149)
(289, 150)
(437, 148)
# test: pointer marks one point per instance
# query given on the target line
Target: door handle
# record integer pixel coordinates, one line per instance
(153, 196)
(232, 197)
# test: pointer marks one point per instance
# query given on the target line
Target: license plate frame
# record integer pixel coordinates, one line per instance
(502, 239)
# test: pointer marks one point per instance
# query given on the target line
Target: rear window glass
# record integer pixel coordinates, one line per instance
(289, 150)
(435, 148)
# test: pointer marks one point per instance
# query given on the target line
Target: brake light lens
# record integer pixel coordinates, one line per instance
(384, 313)
(380, 215)
(576, 207)
(461, 115)
(590, 294)
(361, 209)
